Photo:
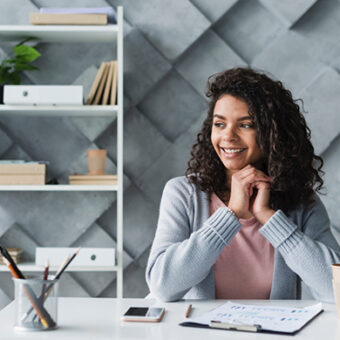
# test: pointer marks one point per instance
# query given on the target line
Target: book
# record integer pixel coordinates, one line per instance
(102, 83)
(89, 177)
(108, 83)
(256, 318)
(22, 179)
(23, 169)
(114, 84)
(95, 84)
(109, 11)
(67, 19)
(93, 179)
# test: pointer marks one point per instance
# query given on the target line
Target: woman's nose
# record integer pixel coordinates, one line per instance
(230, 134)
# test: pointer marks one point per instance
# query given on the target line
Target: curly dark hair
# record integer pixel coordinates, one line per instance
(282, 135)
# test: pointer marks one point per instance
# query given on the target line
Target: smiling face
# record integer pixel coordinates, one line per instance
(233, 134)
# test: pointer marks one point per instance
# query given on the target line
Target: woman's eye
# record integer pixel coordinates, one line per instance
(217, 124)
(247, 126)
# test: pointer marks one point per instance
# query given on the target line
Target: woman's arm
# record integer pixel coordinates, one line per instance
(309, 253)
(180, 259)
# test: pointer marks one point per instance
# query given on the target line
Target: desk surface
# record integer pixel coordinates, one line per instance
(99, 318)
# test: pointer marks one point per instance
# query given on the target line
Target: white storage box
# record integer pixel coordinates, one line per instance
(43, 94)
(86, 257)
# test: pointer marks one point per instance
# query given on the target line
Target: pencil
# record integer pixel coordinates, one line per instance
(61, 269)
(187, 313)
(45, 276)
(62, 265)
(46, 320)
(48, 292)
(12, 265)
(67, 264)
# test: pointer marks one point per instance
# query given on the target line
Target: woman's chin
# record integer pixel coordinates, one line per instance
(234, 166)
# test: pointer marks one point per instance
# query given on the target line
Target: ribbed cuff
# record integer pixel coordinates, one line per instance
(223, 226)
(281, 232)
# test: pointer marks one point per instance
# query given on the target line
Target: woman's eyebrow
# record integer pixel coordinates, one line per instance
(244, 118)
(239, 119)
(219, 116)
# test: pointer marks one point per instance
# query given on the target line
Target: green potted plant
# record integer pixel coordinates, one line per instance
(20, 60)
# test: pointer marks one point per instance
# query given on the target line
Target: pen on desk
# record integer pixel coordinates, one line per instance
(187, 313)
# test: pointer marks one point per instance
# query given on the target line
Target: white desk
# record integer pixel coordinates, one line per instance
(97, 319)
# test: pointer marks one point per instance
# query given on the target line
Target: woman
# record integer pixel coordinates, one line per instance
(245, 222)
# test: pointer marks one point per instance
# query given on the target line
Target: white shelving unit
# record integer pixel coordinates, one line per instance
(60, 110)
(112, 34)
(59, 187)
(32, 267)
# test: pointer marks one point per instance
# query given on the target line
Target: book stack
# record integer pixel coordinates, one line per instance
(104, 88)
(22, 173)
(15, 254)
(74, 16)
(93, 179)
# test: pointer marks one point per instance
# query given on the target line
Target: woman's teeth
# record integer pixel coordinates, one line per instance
(232, 150)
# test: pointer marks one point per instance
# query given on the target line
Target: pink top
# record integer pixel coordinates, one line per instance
(244, 269)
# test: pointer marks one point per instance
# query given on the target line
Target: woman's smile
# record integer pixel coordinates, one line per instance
(232, 152)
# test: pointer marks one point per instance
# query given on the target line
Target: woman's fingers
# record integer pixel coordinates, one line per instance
(252, 178)
(249, 169)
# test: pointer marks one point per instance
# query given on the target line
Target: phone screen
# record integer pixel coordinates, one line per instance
(144, 311)
(137, 311)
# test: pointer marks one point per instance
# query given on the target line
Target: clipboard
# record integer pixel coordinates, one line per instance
(267, 318)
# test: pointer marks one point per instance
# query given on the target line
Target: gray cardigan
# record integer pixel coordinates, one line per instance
(188, 242)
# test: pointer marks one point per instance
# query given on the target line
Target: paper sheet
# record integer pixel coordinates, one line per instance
(273, 318)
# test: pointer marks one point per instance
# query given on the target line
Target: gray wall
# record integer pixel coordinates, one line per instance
(171, 47)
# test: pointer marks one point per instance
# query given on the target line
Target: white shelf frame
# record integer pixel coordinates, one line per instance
(71, 34)
(61, 33)
(58, 187)
(60, 110)
(26, 267)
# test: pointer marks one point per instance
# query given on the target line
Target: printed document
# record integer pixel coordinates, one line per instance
(268, 318)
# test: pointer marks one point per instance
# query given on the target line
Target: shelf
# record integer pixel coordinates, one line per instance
(31, 267)
(58, 187)
(60, 110)
(60, 33)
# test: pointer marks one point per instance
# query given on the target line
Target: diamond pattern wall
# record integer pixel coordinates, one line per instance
(170, 50)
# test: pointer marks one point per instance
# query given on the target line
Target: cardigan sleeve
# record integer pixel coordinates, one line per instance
(308, 252)
(179, 258)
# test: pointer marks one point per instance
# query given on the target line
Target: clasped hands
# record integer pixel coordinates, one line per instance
(244, 198)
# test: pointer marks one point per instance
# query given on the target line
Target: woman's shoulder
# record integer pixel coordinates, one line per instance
(181, 183)
(314, 211)
(314, 205)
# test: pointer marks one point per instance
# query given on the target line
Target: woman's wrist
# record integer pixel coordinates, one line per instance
(232, 211)
(264, 215)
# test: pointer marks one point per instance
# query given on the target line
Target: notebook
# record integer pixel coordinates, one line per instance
(256, 318)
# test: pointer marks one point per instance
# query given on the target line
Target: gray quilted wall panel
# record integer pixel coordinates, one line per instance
(170, 50)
